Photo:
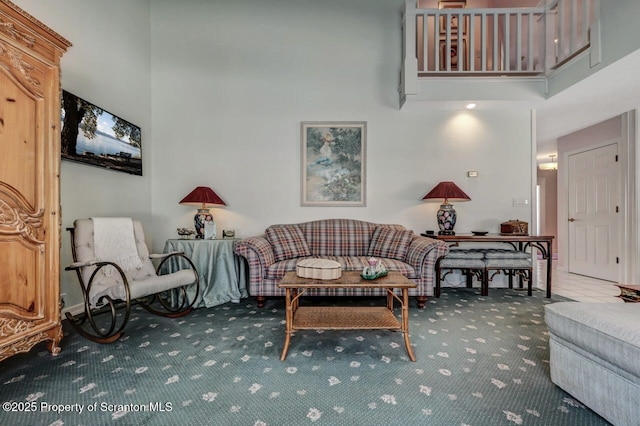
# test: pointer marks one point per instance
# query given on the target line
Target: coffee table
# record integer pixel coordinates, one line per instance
(346, 318)
(629, 293)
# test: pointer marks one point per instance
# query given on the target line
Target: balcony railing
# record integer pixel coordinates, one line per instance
(500, 41)
(486, 41)
(571, 23)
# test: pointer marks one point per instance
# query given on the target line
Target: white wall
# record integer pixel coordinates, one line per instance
(231, 83)
(107, 65)
(619, 37)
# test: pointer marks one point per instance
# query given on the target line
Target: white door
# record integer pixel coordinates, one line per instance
(594, 194)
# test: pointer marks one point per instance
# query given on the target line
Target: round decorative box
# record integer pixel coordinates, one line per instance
(319, 269)
(514, 227)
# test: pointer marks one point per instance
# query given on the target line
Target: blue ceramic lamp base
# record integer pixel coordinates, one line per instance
(446, 219)
(204, 224)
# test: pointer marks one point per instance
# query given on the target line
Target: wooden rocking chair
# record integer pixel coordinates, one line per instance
(110, 285)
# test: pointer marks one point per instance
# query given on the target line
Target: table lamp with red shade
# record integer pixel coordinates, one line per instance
(203, 197)
(447, 214)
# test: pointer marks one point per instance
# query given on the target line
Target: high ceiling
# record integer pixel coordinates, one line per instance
(612, 91)
(605, 94)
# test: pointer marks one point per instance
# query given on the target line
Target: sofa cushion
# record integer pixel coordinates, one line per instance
(287, 241)
(390, 243)
(338, 237)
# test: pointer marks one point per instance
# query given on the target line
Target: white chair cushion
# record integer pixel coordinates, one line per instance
(142, 281)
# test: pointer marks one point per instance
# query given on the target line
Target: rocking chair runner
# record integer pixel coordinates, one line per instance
(107, 286)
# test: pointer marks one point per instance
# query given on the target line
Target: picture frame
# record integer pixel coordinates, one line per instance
(447, 4)
(333, 163)
(454, 19)
(456, 55)
(93, 136)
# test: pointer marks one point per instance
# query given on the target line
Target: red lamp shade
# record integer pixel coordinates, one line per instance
(202, 196)
(447, 191)
(447, 214)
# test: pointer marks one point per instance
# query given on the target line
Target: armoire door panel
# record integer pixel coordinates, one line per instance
(18, 145)
(30, 55)
(21, 265)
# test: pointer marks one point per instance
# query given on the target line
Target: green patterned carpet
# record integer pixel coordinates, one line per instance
(480, 361)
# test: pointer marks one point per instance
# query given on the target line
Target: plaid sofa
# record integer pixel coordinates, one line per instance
(348, 242)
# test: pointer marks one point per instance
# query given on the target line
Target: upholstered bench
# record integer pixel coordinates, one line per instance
(520, 267)
(465, 253)
(469, 261)
(594, 354)
(480, 262)
(494, 253)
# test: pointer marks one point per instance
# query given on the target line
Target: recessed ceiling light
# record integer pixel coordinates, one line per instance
(471, 105)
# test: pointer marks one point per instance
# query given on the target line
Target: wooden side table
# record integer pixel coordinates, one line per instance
(629, 293)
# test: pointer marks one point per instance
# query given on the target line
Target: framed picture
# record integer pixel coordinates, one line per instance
(457, 52)
(93, 136)
(333, 163)
(453, 21)
(449, 4)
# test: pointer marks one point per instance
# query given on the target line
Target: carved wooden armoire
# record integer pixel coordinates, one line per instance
(30, 221)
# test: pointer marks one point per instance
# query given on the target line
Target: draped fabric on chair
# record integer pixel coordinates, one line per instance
(121, 274)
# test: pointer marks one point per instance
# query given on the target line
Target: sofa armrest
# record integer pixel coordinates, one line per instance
(258, 247)
(424, 252)
(259, 254)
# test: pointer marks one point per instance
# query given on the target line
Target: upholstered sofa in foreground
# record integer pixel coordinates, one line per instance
(595, 356)
(348, 242)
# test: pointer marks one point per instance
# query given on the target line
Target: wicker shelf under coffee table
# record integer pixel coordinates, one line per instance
(346, 318)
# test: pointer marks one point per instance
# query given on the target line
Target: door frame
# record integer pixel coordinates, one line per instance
(616, 250)
(628, 157)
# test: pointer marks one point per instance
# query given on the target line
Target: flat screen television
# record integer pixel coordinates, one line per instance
(93, 136)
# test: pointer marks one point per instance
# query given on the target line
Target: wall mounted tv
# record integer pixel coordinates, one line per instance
(93, 136)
